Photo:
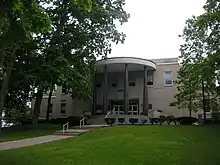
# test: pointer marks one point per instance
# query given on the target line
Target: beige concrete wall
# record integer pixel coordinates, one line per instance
(159, 95)
(73, 107)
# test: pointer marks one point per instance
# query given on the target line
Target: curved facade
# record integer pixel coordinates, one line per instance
(114, 81)
(116, 64)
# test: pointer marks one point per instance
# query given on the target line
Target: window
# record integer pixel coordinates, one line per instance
(50, 108)
(98, 85)
(149, 106)
(114, 84)
(64, 90)
(150, 78)
(63, 108)
(168, 77)
(131, 84)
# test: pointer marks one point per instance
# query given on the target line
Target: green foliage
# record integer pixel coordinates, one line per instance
(48, 42)
(200, 61)
(16, 116)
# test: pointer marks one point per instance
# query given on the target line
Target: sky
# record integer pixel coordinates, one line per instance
(153, 28)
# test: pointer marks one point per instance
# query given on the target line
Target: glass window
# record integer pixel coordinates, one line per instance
(149, 106)
(98, 85)
(168, 77)
(64, 90)
(63, 108)
(150, 80)
(114, 84)
(131, 84)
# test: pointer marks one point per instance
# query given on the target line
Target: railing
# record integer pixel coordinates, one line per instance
(82, 123)
(65, 126)
(110, 112)
(107, 115)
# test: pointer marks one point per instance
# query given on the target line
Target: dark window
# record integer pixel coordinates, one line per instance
(98, 85)
(131, 84)
(133, 102)
(168, 82)
(63, 108)
(98, 107)
(114, 84)
(150, 106)
(64, 90)
(150, 80)
(150, 83)
(168, 77)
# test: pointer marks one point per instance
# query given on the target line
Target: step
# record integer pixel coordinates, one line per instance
(67, 134)
(72, 132)
(89, 127)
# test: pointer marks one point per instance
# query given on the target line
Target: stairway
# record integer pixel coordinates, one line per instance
(72, 132)
(76, 130)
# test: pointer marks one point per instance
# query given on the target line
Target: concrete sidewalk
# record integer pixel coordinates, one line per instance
(31, 141)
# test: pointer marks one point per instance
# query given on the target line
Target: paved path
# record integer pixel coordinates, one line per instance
(30, 141)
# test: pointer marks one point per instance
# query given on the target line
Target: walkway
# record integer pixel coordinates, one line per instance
(30, 141)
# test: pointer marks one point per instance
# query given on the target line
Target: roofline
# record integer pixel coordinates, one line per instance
(127, 57)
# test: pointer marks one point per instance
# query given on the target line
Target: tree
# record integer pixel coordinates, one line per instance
(68, 52)
(19, 20)
(200, 59)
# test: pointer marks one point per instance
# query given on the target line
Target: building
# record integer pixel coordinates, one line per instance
(128, 85)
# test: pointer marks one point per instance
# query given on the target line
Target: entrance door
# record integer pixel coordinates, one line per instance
(118, 106)
(118, 109)
(133, 107)
(133, 110)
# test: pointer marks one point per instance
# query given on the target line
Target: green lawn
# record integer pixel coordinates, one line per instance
(131, 145)
(16, 133)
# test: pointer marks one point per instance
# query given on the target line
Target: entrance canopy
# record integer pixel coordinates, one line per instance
(117, 64)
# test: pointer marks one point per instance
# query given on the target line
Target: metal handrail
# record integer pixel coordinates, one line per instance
(67, 127)
(82, 123)
(109, 112)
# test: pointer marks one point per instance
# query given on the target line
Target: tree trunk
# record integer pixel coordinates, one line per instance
(190, 100)
(190, 113)
(4, 87)
(49, 103)
(37, 105)
(203, 101)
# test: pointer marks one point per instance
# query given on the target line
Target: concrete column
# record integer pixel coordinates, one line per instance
(145, 93)
(105, 92)
(94, 95)
(126, 101)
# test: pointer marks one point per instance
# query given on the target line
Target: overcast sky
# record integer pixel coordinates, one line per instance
(154, 26)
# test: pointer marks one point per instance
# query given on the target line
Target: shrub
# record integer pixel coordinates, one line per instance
(170, 119)
(121, 120)
(143, 121)
(18, 116)
(162, 119)
(133, 120)
(215, 117)
(154, 120)
(110, 121)
(187, 120)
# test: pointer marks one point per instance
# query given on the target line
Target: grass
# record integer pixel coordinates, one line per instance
(129, 145)
(22, 132)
